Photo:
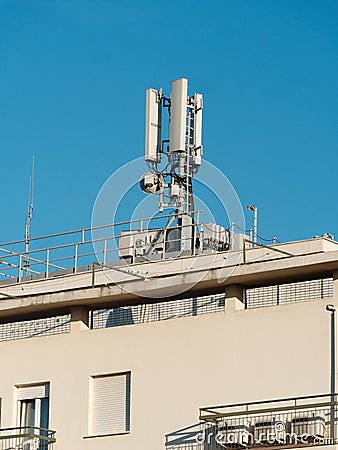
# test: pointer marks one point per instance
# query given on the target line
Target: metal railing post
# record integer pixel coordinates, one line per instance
(47, 263)
(164, 242)
(244, 251)
(75, 258)
(93, 274)
(105, 251)
(250, 237)
(20, 268)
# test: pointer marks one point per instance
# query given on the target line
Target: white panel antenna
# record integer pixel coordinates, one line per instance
(153, 139)
(178, 115)
(198, 150)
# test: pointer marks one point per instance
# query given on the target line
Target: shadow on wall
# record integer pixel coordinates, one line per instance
(120, 316)
(154, 312)
(190, 438)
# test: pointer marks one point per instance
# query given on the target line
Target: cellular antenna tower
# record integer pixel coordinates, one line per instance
(173, 160)
(173, 153)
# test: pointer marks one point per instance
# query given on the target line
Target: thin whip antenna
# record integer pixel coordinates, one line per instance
(29, 218)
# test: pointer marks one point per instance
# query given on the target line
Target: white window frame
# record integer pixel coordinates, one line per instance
(30, 392)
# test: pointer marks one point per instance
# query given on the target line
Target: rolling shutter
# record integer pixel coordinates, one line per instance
(32, 392)
(111, 404)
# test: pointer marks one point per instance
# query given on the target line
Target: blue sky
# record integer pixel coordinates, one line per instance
(73, 76)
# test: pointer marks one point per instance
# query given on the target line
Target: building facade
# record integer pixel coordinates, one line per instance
(100, 359)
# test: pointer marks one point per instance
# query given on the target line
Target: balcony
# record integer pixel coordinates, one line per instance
(285, 423)
(26, 438)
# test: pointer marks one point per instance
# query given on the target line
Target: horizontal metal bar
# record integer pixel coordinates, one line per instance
(262, 402)
(266, 410)
(14, 266)
(27, 427)
(214, 413)
(28, 435)
(28, 432)
(7, 275)
(65, 233)
(44, 249)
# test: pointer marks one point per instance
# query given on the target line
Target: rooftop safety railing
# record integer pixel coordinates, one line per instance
(75, 251)
(26, 438)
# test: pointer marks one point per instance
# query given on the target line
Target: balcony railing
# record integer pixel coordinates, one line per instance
(26, 438)
(287, 423)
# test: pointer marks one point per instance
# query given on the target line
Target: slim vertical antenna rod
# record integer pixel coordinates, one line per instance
(29, 218)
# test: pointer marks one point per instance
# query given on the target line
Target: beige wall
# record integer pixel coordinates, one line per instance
(177, 366)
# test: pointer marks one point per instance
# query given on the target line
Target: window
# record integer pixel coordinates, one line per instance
(33, 412)
(110, 404)
(33, 405)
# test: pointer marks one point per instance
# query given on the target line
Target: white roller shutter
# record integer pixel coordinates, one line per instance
(110, 404)
(32, 392)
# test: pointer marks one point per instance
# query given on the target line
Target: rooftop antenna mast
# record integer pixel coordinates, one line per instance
(29, 218)
(182, 149)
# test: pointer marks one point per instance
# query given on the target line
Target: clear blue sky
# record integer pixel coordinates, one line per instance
(73, 75)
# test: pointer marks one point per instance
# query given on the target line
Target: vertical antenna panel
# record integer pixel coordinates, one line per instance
(153, 126)
(198, 100)
(178, 115)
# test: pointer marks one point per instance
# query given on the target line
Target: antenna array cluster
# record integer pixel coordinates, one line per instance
(182, 149)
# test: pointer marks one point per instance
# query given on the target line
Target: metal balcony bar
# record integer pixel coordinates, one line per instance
(22, 438)
(245, 408)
